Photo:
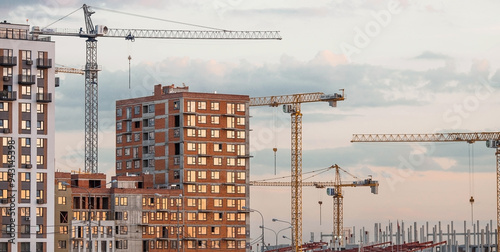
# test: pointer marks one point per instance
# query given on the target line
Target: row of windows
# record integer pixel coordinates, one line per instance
(25, 90)
(215, 106)
(217, 147)
(25, 246)
(79, 245)
(24, 211)
(25, 107)
(25, 176)
(231, 122)
(25, 141)
(192, 175)
(200, 188)
(25, 194)
(25, 54)
(26, 159)
(240, 134)
(217, 161)
(198, 244)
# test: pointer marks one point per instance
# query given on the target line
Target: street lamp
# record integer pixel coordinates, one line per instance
(275, 234)
(262, 226)
(89, 206)
(284, 236)
(179, 198)
(277, 220)
(280, 231)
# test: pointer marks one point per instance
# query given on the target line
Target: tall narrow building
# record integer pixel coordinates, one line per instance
(198, 143)
(27, 132)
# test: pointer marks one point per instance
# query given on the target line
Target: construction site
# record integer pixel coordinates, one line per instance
(212, 170)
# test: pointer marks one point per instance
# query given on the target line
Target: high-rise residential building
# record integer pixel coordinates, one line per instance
(198, 143)
(27, 132)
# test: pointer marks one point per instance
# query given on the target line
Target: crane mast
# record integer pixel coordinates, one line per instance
(91, 68)
(492, 140)
(338, 198)
(291, 104)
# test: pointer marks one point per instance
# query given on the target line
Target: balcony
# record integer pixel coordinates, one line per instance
(8, 95)
(26, 79)
(44, 97)
(8, 61)
(43, 63)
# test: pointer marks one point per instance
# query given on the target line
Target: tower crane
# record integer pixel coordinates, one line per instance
(492, 140)
(336, 192)
(91, 68)
(291, 104)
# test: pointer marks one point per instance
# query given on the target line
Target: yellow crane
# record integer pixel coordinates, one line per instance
(492, 140)
(335, 192)
(291, 104)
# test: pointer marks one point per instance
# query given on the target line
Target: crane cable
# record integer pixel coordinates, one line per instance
(159, 19)
(62, 18)
(471, 180)
(320, 171)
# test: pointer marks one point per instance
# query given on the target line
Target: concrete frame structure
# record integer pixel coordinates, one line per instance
(27, 132)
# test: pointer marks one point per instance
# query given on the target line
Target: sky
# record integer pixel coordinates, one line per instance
(406, 67)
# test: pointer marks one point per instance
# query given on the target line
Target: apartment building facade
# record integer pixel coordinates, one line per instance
(198, 143)
(129, 215)
(27, 132)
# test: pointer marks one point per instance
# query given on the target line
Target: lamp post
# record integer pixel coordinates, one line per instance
(275, 234)
(262, 226)
(280, 231)
(284, 236)
(89, 206)
(277, 220)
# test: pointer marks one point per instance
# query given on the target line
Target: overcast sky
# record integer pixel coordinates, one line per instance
(406, 67)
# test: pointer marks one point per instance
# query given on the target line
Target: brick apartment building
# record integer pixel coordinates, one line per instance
(197, 143)
(27, 132)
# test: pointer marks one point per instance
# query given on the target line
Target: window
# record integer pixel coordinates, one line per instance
(127, 151)
(191, 146)
(230, 134)
(39, 159)
(25, 55)
(7, 71)
(191, 160)
(214, 175)
(191, 132)
(137, 110)
(118, 165)
(25, 194)
(215, 189)
(39, 125)
(40, 177)
(214, 105)
(230, 148)
(240, 107)
(230, 108)
(40, 142)
(202, 188)
(240, 175)
(25, 90)
(119, 126)
(241, 162)
(25, 142)
(230, 177)
(176, 105)
(25, 159)
(218, 202)
(215, 133)
(230, 122)
(240, 121)
(118, 112)
(61, 244)
(214, 119)
(61, 186)
(40, 108)
(191, 106)
(217, 160)
(202, 133)
(202, 105)
(202, 119)
(61, 200)
(202, 160)
(191, 176)
(26, 107)
(119, 152)
(240, 135)
(217, 216)
(40, 73)
(119, 139)
(191, 120)
(4, 106)
(191, 188)
(25, 211)
(202, 175)
(25, 176)
(202, 148)
(26, 124)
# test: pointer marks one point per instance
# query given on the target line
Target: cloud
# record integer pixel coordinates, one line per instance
(432, 56)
